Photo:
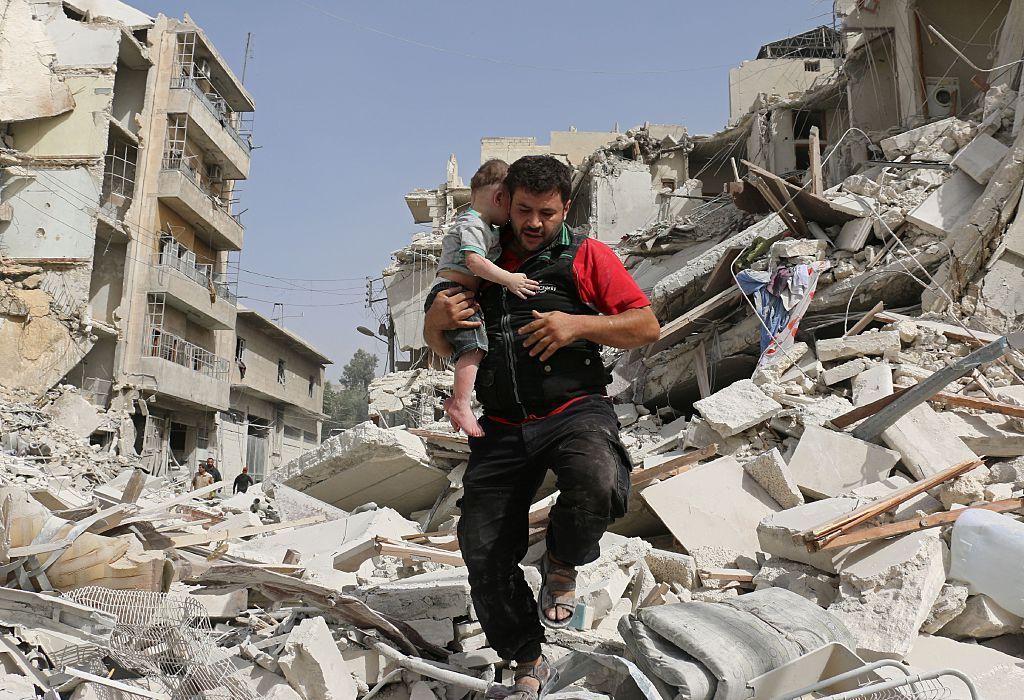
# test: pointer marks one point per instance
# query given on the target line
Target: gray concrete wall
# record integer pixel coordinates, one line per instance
(261, 355)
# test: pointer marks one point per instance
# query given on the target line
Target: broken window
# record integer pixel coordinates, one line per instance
(119, 176)
(280, 372)
(239, 348)
(312, 385)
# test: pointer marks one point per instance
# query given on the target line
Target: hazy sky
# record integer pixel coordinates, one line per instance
(359, 103)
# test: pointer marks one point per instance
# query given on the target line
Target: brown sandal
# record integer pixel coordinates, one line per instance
(566, 600)
(542, 671)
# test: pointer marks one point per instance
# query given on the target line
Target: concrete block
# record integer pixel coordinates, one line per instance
(367, 463)
(862, 185)
(854, 234)
(806, 581)
(626, 414)
(885, 603)
(475, 659)
(918, 139)
(737, 407)
(951, 602)
(799, 248)
(872, 384)
(848, 204)
(313, 665)
(980, 158)
(437, 595)
(988, 434)
(673, 567)
(982, 618)
(925, 443)
(223, 606)
(73, 412)
(716, 504)
(947, 206)
(840, 373)
(772, 473)
(438, 632)
(884, 343)
(827, 463)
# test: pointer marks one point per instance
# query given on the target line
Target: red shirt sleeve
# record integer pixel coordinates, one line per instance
(603, 281)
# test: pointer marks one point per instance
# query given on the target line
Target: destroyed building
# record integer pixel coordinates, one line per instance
(124, 139)
(827, 437)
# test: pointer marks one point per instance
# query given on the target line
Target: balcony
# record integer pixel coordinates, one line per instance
(178, 187)
(192, 287)
(185, 371)
(212, 126)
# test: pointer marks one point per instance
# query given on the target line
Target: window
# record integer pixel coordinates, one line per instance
(812, 66)
(312, 385)
(239, 348)
(668, 182)
(280, 372)
(202, 438)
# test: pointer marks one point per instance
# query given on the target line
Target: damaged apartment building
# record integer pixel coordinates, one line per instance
(123, 140)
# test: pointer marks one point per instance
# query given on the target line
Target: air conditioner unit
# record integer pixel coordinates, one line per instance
(943, 96)
(213, 173)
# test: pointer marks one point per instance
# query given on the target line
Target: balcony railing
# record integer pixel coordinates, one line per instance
(170, 347)
(189, 165)
(218, 108)
(177, 257)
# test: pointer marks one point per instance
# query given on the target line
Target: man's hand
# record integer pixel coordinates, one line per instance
(451, 309)
(550, 331)
(521, 285)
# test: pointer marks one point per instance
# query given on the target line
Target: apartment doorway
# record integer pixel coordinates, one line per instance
(257, 447)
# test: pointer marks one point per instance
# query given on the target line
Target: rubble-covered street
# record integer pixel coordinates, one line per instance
(827, 438)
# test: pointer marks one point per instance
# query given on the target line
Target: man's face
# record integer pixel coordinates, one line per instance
(209, 462)
(536, 218)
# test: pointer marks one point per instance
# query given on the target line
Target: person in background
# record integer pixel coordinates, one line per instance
(202, 479)
(211, 469)
(243, 481)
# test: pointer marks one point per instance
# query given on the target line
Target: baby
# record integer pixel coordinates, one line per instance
(468, 251)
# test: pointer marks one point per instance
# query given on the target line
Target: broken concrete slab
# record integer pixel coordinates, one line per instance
(946, 207)
(884, 343)
(905, 586)
(872, 384)
(827, 463)
(854, 234)
(714, 504)
(925, 443)
(437, 595)
(673, 567)
(982, 618)
(921, 138)
(313, 665)
(737, 407)
(847, 370)
(951, 602)
(988, 668)
(367, 463)
(804, 580)
(769, 469)
(986, 434)
(980, 158)
(72, 411)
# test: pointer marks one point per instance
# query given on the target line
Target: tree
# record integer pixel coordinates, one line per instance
(348, 403)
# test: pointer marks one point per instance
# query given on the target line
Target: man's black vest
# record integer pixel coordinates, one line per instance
(510, 383)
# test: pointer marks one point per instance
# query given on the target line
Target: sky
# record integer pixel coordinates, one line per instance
(359, 103)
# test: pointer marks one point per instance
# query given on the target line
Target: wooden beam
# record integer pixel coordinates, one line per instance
(133, 489)
(677, 327)
(234, 533)
(1006, 409)
(672, 467)
(870, 534)
(865, 320)
(819, 536)
(417, 552)
(817, 186)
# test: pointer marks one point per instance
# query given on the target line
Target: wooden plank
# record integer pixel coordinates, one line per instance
(870, 534)
(978, 403)
(182, 498)
(721, 277)
(813, 207)
(819, 536)
(417, 552)
(817, 186)
(866, 319)
(133, 489)
(672, 331)
(738, 575)
(673, 467)
(207, 537)
(798, 227)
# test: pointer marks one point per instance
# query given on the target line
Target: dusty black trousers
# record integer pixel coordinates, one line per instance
(506, 468)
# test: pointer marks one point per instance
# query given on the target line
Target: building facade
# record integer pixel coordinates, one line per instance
(124, 136)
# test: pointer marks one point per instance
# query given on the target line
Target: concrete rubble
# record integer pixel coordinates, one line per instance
(755, 509)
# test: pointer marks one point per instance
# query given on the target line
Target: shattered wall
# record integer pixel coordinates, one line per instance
(28, 52)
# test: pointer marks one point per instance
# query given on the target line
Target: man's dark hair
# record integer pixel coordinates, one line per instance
(539, 175)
